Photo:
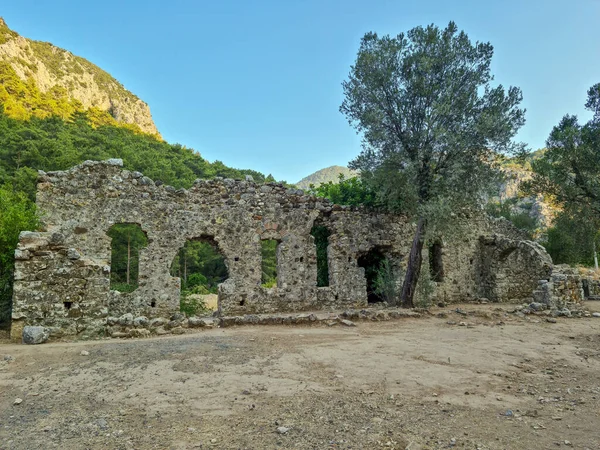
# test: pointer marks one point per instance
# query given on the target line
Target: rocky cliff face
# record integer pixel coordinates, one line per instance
(326, 175)
(535, 207)
(50, 67)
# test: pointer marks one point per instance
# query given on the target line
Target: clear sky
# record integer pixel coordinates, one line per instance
(257, 83)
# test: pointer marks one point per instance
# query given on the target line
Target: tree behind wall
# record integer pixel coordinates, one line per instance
(569, 174)
(431, 124)
(127, 240)
(17, 213)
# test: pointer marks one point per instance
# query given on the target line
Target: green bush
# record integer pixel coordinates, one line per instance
(17, 213)
(192, 306)
(386, 282)
(268, 249)
(425, 290)
(507, 209)
(123, 287)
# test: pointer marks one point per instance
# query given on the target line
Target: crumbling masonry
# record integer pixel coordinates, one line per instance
(62, 277)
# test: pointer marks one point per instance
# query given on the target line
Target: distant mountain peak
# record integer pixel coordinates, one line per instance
(331, 173)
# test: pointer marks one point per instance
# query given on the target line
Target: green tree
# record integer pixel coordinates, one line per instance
(17, 213)
(568, 173)
(348, 191)
(569, 169)
(431, 123)
(508, 210)
(199, 263)
(572, 238)
(268, 250)
(127, 241)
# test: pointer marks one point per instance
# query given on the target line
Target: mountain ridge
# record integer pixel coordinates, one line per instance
(57, 73)
(325, 175)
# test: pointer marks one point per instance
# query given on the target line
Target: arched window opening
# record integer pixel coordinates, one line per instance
(268, 250)
(436, 263)
(201, 268)
(321, 234)
(379, 275)
(127, 239)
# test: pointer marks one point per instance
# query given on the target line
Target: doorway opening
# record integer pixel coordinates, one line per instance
(200, 267)
(321, 234)
(373, 262)
(127, 239)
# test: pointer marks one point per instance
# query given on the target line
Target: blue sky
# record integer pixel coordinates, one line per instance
(257, 84)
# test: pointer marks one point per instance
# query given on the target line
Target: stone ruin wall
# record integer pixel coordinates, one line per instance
(68, 263)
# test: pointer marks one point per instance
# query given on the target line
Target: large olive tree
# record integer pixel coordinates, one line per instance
(431, 122)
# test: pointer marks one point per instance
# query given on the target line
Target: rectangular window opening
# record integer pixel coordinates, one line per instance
(269, 263)
(321, 235)
(436, 263)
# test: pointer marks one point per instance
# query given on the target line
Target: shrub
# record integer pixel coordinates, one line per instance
(386, 282)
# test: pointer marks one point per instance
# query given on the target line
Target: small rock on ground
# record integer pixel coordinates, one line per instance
(35, 335)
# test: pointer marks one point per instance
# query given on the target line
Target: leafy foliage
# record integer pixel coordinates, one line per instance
(268, 252)
(127, 241)
(385, 282)
(351, 191)
(569, 170)
(425, 290)
(507, 210)
(23, 100)
(569, 174)
(372, 262)
(200, 267)
(6, 33)
(17, 213)
(52, 143)
(571, 239)
(191, 305)
(431, 121)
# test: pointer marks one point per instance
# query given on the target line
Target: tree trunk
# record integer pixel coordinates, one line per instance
(595, 256)
(128, 256)
(414, 266)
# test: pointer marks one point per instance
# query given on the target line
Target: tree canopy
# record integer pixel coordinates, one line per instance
(569, 170)
(17, 213)
(568, 173)
(431, 122)
(52, 143)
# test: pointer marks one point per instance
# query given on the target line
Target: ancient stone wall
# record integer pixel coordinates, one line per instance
(490, 259)
(62, 278)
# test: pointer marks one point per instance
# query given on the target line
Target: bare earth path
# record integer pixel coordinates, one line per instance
(498, 383)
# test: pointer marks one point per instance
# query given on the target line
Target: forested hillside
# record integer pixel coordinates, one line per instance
(39, 79)
(52, 143)
(58, 110)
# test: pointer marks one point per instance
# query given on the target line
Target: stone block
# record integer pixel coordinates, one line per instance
(35, 335)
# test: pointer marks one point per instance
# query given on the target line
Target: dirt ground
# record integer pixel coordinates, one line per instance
(495, 381)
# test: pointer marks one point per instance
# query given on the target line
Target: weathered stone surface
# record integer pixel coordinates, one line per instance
(62, 275)
(35, 335)
(195, 322)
